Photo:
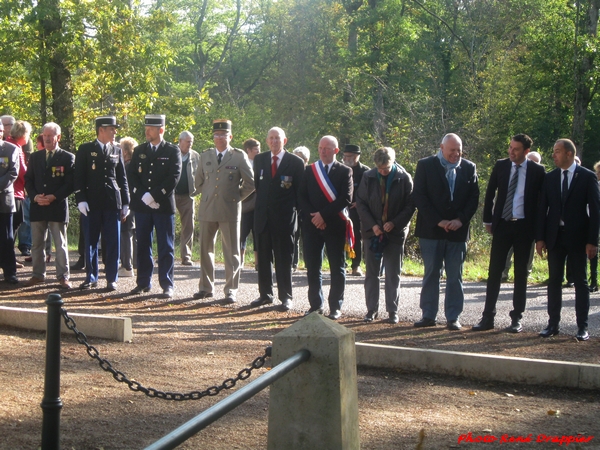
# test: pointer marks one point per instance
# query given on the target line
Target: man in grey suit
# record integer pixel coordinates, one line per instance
(224, 178)
(184, 195)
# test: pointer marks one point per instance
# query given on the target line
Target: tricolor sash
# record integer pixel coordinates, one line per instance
(330, 193)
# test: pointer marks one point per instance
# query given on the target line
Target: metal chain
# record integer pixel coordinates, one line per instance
(155, 393)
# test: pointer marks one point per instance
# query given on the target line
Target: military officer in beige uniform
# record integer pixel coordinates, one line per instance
(224, 178)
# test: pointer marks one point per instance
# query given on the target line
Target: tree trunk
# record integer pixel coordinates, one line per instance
(60, 76)
(586, 28)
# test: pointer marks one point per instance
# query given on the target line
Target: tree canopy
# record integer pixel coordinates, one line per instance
(372, 72)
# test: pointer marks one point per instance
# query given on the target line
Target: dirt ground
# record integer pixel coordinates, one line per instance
(185, 345)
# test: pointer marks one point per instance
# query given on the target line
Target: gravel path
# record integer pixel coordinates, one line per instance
(186, 284)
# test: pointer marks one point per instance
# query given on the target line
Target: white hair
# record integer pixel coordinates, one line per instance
(52, 126)
(302, 152)
(186, 134)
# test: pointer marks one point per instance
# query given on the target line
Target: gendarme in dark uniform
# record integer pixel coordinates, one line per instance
(153, 173)
(102, 196)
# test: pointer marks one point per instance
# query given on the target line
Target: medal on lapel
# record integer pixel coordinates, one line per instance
(94, 165)
(53, 172)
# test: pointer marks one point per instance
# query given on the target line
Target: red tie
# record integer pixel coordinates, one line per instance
(274, 166)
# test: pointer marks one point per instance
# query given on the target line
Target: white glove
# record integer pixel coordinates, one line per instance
(83, 208)
(147, 198)
(154, 205)
(124, 212)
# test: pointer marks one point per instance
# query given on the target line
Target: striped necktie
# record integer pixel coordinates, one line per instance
(507, 212)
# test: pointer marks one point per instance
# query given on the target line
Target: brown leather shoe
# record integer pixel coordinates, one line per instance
(65, 284)
(33, 281)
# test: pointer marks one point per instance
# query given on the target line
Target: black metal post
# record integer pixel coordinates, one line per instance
(204, 419)
(51, 403)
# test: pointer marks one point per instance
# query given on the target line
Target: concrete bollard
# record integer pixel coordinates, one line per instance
(316, 405)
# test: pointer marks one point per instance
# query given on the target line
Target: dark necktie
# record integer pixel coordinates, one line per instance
(48, 157)
(564, 192)
(274, 166)
(326, 169)
(153, 148)
(507, 212)
(219, 158)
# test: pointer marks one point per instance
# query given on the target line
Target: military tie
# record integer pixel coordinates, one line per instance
(48, 156)
(219, 158)
(153, 148)
(507, 212)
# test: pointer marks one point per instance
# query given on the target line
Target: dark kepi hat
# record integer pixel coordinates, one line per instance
(221, 124)
(155, 120)
(107, 121)
(351, 148)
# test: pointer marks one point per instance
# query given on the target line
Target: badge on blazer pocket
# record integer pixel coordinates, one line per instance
(286, 182)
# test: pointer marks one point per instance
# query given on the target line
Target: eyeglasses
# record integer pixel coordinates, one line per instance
(220, 136)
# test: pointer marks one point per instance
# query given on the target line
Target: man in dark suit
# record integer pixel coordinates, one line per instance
(49, 182)
(446, 194)
(325, 193)
(509, 215)
(351, 158)
(153, 173)
(277, 177)
(567, 227)
(102, 196)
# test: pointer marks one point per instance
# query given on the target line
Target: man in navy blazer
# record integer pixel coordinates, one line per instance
(49, 182)
(509, 215)
(102, 196)
(567, 227)
(277, 177)
(446, 194)
(324, 225)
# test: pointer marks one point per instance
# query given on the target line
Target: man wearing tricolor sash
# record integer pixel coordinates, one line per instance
(325, 194)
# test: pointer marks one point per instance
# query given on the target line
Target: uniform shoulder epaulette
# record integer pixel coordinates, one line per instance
(237, 149)
(212, 149)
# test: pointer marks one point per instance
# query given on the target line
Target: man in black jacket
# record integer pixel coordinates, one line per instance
(49, 182)
(277, 177)
(446, 194)
(567, 227)
(509, 215)
(325, 194)
(102, 196)
(351, 158)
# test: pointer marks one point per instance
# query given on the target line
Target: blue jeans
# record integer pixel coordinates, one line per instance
(438, 254)
(24, 230)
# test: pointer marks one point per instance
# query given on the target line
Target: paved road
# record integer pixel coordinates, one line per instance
(535, 318)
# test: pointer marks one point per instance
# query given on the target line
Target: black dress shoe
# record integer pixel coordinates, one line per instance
(454, 325)
(286, 304)
(515, 327)
(484, 325)
(112, 286)
(335, 315)
(311, 310)
(11, 279)
(261, 301)
(393, 319)
(549, 331)
(582, 334)
(79, 265)
(140, 289)
(568, 284)
(230, 298)
(202, 294)
(371, 316)
(167, 292)
(424, 322)
(593, 287)
(88, 285)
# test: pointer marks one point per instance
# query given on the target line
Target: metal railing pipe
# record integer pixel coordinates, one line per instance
(51, 403)
(202, 420)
